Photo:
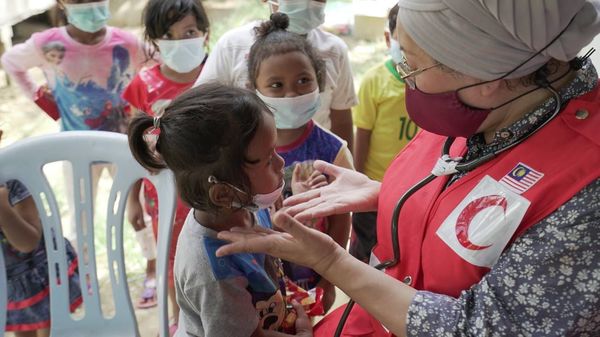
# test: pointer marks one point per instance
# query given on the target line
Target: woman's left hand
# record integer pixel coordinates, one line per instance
(296, 243)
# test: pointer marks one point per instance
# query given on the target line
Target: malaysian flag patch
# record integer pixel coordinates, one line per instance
(521, 178)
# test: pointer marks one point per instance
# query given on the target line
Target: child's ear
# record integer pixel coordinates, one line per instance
(221, 195)
(206, 37)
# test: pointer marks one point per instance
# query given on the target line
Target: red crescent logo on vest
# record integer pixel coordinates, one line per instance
(469, 212)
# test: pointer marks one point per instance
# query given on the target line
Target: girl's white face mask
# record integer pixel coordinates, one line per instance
(182, 56)
(292, 112)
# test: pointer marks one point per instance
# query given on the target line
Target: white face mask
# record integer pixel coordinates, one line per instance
(292, 112)
(395, 51)
(259, 201)
(305, 15)
(182, 56)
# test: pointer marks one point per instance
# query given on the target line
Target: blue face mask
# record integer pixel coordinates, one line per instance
(88, 17)
(292, 112)
(305, 15)
(395, 51)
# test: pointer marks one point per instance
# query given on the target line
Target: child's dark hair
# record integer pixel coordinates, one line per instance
(203, 132)
(159, 15)
(272, 38)
(392, 17)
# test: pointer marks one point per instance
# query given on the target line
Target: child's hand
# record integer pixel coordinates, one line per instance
(303, 324)
(135, 213)
(305, 178)
(45, 100)
(328, 294)
(277, 205)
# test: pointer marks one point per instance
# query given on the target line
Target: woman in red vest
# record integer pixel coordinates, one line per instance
(489, 220)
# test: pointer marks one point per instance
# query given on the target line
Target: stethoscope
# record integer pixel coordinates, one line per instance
(445, 166)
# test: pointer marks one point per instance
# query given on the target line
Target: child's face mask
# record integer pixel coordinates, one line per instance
(259, 201)
(88, 17)
(292, 112)
(182, 56)
(395, 51)
(305, 15)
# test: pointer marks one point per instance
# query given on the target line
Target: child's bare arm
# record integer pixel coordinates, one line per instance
(135, 213)
(18, 60)
(362, 141)
(20, 223)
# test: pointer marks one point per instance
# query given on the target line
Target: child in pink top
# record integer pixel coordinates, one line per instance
(179, 30)
(86, 64)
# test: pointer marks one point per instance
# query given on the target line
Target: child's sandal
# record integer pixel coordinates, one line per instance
(148, 297)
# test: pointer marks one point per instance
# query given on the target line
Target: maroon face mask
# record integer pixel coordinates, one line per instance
(444, 113)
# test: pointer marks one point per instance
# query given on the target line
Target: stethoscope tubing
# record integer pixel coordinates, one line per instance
(459, 167)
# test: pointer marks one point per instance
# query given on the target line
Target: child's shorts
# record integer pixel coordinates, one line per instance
(29, 290)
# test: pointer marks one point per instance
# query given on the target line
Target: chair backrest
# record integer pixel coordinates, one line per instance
(24, 161)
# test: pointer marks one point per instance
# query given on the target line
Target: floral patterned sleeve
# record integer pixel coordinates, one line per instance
(546, 284)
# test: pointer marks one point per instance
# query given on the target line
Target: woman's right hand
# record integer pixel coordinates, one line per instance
(294, 242)
(349, 191)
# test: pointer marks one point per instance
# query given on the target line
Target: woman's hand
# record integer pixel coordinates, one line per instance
(297, 243)
(349, 191)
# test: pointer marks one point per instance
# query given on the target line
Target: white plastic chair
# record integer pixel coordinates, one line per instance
(24, 161)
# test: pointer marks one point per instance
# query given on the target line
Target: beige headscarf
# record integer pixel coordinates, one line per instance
(488, 38)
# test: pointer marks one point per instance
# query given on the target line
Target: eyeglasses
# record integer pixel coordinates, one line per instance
(408, 75)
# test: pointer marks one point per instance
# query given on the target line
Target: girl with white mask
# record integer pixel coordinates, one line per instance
(178, 29)
(287, 75)
(227, 63)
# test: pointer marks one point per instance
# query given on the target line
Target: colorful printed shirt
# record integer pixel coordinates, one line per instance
(548, 282)
(86, 80)
(315, 144)
(150, 91)
(225, 296)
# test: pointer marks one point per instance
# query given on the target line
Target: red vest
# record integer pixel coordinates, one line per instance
(566, 152)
